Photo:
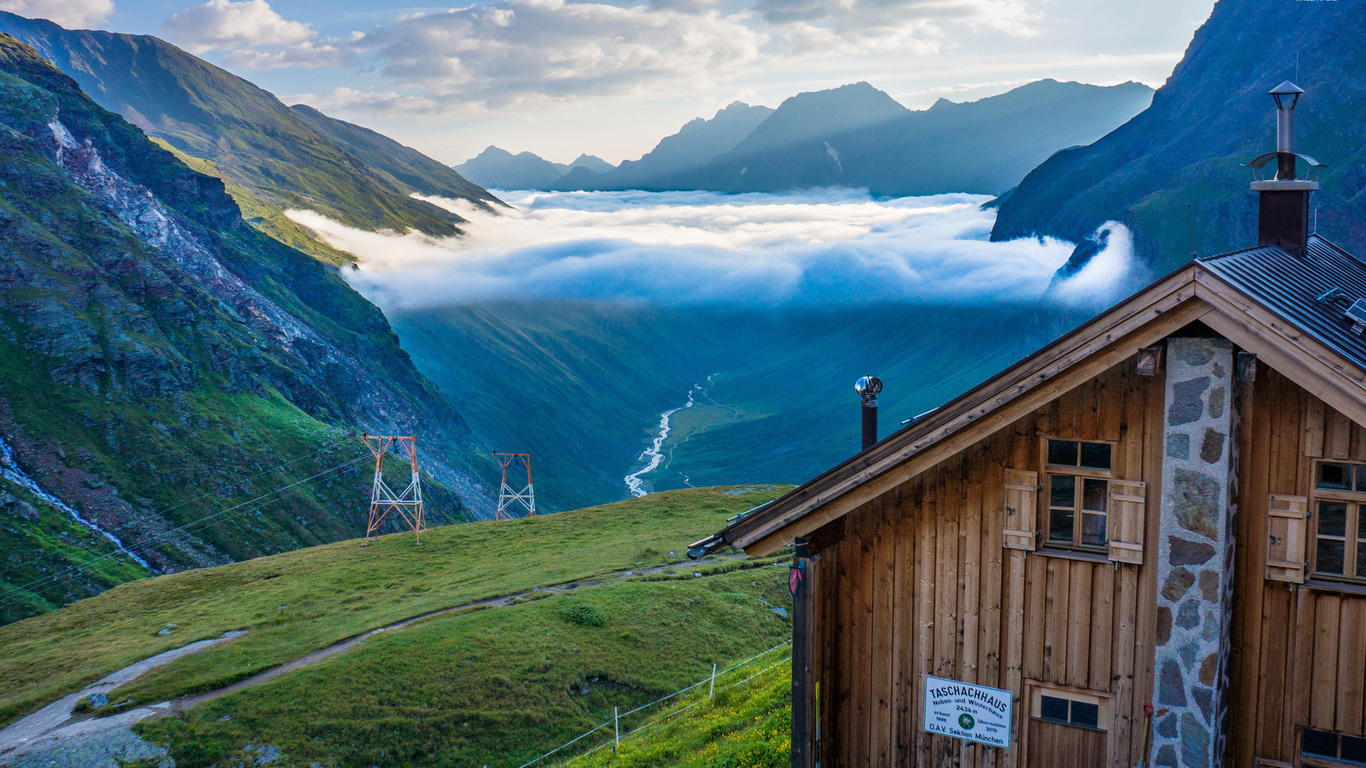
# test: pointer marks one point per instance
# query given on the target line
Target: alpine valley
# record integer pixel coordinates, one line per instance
(208, 295)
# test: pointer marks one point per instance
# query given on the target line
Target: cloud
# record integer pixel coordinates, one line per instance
(817, 249)
(245, 29)
(1107, 275)
(373, 102)
(68, 13)
(520, 51)
(914, 26)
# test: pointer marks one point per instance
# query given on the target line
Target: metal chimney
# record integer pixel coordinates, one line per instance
(867, 388)
(1287, 95)
(1283, 207)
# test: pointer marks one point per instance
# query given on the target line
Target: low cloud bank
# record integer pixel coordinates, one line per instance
(837, 247)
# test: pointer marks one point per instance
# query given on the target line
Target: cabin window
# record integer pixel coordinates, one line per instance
(1078, 490)
(1325, 748)
(1340, 521)
(1067, 727)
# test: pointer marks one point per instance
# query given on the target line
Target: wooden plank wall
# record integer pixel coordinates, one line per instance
(1299, 652)
(920, 584)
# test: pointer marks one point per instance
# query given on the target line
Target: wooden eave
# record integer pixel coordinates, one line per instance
(1149, 316)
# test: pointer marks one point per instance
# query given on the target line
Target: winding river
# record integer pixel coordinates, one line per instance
(654, 455)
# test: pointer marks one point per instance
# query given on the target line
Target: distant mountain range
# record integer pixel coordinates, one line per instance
(272, 157)
(500, 169)
(1174, 173)
(851, 136)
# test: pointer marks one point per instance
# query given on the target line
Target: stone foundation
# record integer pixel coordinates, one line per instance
(1195, 548)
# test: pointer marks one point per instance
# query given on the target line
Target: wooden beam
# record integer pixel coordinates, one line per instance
(803, 634)
(862, 487)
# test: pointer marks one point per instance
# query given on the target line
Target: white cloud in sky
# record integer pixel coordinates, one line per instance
(68, 13)
(519, 51)
(255, 36)
(910, 26)
(819, 248)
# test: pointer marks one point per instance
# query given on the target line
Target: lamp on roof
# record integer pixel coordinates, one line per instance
(1286, 91)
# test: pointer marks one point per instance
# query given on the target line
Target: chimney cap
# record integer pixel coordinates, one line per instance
(1286, 89)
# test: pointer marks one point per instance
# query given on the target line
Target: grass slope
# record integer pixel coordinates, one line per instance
(335, 591)
(746, 725)
(492, 687)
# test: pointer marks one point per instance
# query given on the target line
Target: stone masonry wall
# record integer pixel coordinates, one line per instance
(1194, 547)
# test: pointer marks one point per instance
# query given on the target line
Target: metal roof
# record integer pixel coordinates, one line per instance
(1291, 285)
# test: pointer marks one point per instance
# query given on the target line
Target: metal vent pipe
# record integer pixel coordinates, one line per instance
(868, 388)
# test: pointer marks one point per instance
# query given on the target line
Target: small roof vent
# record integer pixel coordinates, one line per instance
(1332, 295)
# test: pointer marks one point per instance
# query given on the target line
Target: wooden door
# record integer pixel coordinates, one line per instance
(1055, 745)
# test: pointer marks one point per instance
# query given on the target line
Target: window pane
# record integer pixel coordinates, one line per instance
(1320, 743)
(1094, 494)
(1063, 491)
(1085, 714)
(1332, 518)
(1354, 749)
(1053, 708)
(1062, 452)
(1060, 525)
(1330, 556)
(1093, 530)
(1361, 477)
(1335, 475)
(1095, 455)
(1361, 560)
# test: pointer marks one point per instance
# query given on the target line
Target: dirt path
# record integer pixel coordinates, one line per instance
(52, 732)
(53, 736)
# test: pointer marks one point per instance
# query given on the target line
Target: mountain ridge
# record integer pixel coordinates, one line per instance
(272, 157)
(1173, 174)
(151, 341)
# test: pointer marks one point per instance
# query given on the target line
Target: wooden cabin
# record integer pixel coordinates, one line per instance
(1145, 544)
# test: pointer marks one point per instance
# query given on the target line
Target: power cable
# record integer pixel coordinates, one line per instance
(336, 442)
(6, 596)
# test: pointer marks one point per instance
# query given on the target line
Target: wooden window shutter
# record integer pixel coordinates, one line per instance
(1287, 524)
(1127, 519)
(1022, 496)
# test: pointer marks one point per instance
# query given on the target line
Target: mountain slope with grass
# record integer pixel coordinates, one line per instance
(1174, 174)
(535, 630)
(163, 365)
(273, 159)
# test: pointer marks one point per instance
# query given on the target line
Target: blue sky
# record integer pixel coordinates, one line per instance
(612, 77)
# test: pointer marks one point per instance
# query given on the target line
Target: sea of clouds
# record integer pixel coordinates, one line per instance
(830, 247)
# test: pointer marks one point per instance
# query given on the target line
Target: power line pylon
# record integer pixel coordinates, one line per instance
(383, 500)
(506, 495)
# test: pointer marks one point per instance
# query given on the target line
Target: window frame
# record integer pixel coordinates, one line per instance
(1324, 761)
(1104, 715)
(1082, 474)
(1354, 535)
